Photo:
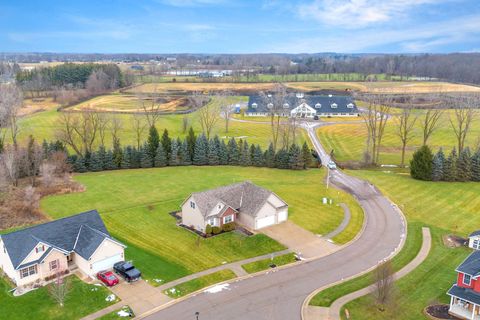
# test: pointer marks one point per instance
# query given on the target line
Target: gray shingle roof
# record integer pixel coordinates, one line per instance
(244, 197)
(61, 234)
(474, 233)
(471, 265)
(464, 294)
(325, 102)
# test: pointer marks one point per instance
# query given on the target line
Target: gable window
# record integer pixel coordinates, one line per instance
(467, 279)
(228, 219)
(476, 244)
(40, 248)
(192, 204)
(28, 271)
(54, 264)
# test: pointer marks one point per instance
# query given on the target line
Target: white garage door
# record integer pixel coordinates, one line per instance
(265, 222)
(282, 215)
(106, 263)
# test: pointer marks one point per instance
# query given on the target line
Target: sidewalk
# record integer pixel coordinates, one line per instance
(333, 312)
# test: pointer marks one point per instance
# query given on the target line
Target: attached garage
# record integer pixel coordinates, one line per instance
(282, 215)
(106, 263)
(264, 222)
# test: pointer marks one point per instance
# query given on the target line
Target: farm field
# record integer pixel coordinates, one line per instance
(348, 140)
(139, 216)
(445, 208)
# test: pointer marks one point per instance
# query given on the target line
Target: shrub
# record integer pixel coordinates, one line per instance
(216, 230)
(208, 229)
(228, 226)
(421, 164)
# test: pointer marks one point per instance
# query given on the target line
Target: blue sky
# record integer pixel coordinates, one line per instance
(240, 26)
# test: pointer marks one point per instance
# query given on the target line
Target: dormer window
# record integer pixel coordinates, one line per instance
(40, 248)
(350, 105)
(270, 105)
(467, 279)
(318, 106)
(254, 105)
(286, 105)
(334, 105)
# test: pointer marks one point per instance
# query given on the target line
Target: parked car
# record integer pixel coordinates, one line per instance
(127, 271)
(331, 165)
(315, 118)
(108, 278)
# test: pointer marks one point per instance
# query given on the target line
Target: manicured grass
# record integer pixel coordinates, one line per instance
(265, 264)
(445, 208)
(83, 299)
(196, 284)
(348, 140)
(114, 315)
(410, 249)
(135, 205)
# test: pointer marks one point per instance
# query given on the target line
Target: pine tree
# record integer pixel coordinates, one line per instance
(117, 153)
(191, 141)
(125, 164)
(476, 166)
(213, 157)
(201, 149)
(185, 151)
(295, 158)
(306, 156)
(245, 157)
(270, 156)
(464, 166)
(421, 164)
(438, 166)
(258, 157)
(450, 169)
(223, 153)
(282, 159)
(167, 144)
(135, 157)
(109, 161)
(145, 160)
(160, 157)
(233, 153)
(174, 159)
(79, 165)
(95, 163)
(153, 141)
(101, 156)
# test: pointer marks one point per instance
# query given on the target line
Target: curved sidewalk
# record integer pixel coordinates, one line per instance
(333, 312)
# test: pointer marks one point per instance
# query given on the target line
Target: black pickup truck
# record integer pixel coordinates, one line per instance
(127, 271)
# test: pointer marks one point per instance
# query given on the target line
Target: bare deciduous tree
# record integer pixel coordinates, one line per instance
(185, 121)
(116, 125)
(11, 99)
(208, 116)
(430, 123)
(103, 124)
(60, 288)
(462, 119)
(10, 163)
(226, 108)
(149, 104)
(274, 103)
(139, 125)
(47, 171)
(30, 200)
(79, 131)
(384, 284)
(405, 122)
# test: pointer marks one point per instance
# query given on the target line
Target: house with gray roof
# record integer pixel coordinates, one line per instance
(244, 203)
(80, 241)
(474, 240)
(302, 106)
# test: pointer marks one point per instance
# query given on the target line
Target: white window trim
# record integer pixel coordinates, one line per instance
(31, 270)
(225, 218)
(469, 279)
(54, 264)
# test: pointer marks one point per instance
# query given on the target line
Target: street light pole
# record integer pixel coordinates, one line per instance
(197, 314)
(328, 176)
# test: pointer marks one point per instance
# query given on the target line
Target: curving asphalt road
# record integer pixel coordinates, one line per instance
(279, 295)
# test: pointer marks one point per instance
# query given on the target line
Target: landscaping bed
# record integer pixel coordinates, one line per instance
(438, 311)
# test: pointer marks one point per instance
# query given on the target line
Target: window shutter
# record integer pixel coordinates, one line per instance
(36, 250)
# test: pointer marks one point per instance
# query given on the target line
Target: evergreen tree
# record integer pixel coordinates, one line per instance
(167, 144)
(125, 164)
(306, 156)
(233, 152)
(251, 152)
(174, 158)
(295, 158)
(245, 157)
(101, 156)
(153, 141)
(270, 156)
(282, 159)
(213, 153)
(160, 157)
(476, 166)
(79, 165)
(258, 157)
(45, 149)
(117, 153)
(438, 166)
(135, 157)
(464, 166)
(421, 164)
(145, 160)
(109, 161)
(95, 163)
(201, 149)
(191, 142)
(185, 151)
(450, 169)
(223, 153)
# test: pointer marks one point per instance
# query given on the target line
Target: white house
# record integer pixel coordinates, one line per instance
(37, 252)
(245, 203)
(474, 240)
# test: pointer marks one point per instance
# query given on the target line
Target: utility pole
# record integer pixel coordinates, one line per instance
(328, 176)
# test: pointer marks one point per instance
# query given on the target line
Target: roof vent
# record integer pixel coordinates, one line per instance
(330, 95)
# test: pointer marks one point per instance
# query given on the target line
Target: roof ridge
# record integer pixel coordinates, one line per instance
(98, 231)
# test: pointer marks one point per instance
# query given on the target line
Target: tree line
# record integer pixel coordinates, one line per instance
(463, 166)
(196, 150)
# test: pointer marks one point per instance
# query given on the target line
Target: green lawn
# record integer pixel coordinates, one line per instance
(445, 208)
(82, 300)
(261, 265)
(114, 315)
(196, 284)
(135, 205)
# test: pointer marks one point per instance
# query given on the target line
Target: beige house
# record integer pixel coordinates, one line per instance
(80, 241)
(245, 203)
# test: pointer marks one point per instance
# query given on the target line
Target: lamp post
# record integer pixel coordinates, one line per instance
(197, 314)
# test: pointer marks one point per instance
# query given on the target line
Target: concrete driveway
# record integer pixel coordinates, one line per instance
(299, 240)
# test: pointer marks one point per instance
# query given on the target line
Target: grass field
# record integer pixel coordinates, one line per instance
(445, 208)
(196, 284)
(139, 216)
(83, 299)
(348, 140)
(114, 314)
(261, 265)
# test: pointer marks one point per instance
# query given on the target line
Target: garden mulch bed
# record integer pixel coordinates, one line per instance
(454, 241)
(439, 311)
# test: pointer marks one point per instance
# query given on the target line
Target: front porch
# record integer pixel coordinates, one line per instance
(464, 309)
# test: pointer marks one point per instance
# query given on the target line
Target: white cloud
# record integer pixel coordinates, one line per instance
(192, 3)
(358, 13)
